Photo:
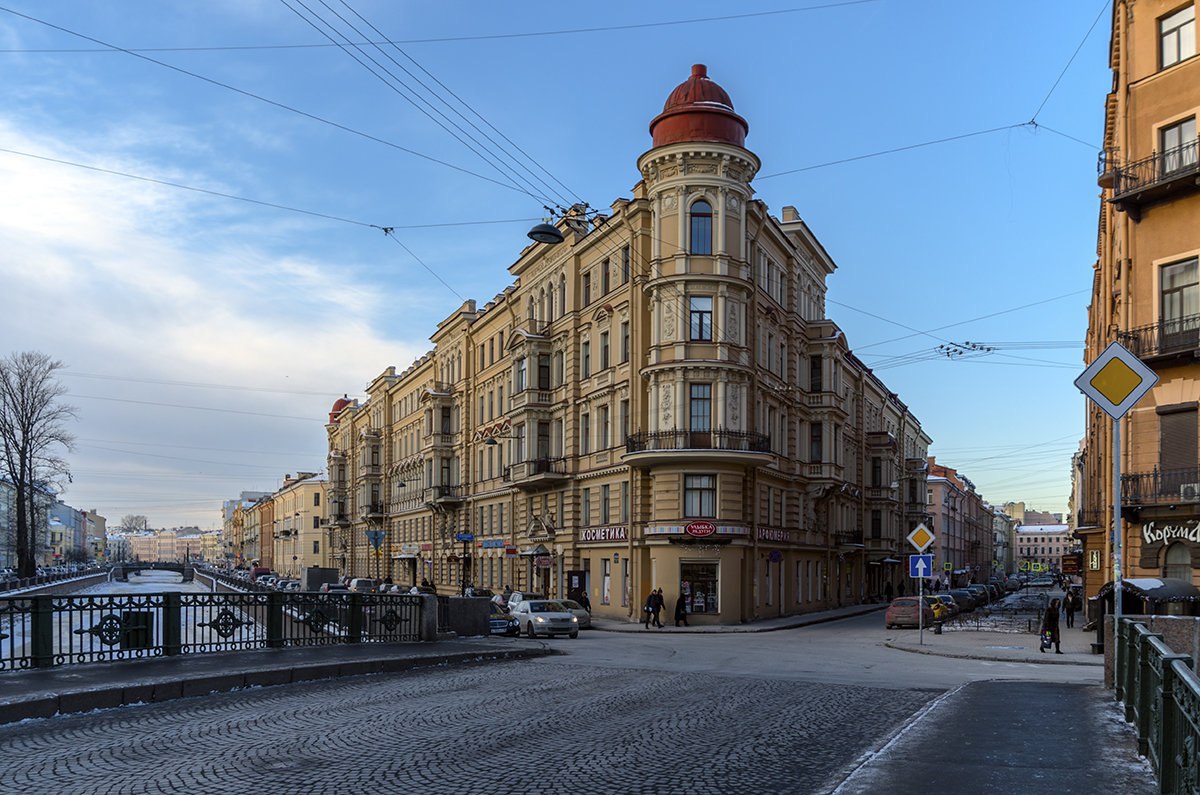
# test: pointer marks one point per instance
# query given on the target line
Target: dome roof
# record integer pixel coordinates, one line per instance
(338, 405)
(699, 110)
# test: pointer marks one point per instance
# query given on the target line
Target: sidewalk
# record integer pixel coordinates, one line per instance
(41, 693)
(999, 646)
(766, 625)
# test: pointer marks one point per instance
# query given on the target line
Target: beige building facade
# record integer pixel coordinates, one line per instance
(297, 522)
(1146, 295)
(656, 401)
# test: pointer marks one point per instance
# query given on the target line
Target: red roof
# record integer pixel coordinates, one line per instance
(699, 110)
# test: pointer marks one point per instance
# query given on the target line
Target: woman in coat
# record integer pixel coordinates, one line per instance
(1050, 626)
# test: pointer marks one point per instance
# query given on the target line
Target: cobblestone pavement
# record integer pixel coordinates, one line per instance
(510, 727)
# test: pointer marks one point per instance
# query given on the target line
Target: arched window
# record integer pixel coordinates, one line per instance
(1179, 561)
(701, 228)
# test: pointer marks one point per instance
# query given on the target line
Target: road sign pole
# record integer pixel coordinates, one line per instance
(1118, 584)
(921, 610)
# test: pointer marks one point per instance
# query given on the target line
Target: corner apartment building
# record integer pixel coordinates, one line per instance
(657, 401)
(1146, 295)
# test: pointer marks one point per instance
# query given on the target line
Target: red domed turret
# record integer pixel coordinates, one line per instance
(338, 405)
(699, 110)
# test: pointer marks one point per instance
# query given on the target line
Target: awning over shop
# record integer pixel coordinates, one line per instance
(404, 557)
(1155, 589)
(535, 552)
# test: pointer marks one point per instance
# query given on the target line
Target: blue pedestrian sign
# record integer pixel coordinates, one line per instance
(920, 566)
(464, 537)
(375, 537)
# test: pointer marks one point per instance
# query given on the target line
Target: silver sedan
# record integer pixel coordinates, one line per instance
(546, 617)
(585, 618)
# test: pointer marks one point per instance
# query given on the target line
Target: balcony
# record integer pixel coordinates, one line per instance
(1092, 518)
(680, 446)
(444, 440)
(443, 495)
(916, 465)
(370, 470)
(536, 473)
(880, 439)
(532, 398)
(826, 401)
(338, 520)
(1159, 177)
(1161, 487)
(882, 493)
(1165, 340)
(373, 510)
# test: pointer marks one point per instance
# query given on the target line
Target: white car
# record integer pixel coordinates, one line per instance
(546, 617)
(585, 618)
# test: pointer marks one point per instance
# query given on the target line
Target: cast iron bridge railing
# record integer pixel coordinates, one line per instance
(46, 631)
(1161, 694)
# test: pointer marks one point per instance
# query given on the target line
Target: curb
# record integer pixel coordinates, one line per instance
(118, 695)
(988, 658)
(738, 629)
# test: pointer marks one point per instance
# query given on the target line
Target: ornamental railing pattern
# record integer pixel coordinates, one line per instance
(1167, 165)
(1177, 335)
(1160, 487)
(679, 439)
(46, 631)
(1161, 694)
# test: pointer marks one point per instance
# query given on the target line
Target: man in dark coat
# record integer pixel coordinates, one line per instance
(1050, 626)
(681, 610)
(656, 606)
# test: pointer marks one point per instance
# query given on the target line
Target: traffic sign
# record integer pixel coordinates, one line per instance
(464, 536)
(1115, 380)
(375, 537)
(921, 537)
(948, 566)
(920, 566)
(1023, 565)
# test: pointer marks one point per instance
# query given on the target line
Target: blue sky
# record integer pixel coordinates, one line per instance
(175, 309)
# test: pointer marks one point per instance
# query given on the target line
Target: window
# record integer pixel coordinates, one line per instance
(603, 350)
(876, 524)
(1177, 145)
(815, 382)
(700, 407)
(543, 377)
(1180, 304)
(585, 433)
(604, 429)
(625, 341)
(316, 498)
(624, 502)
(699, 585)
(586, 358)
(604, 503)
(701, 228)
(587, 289)
(605, 279)
(815, 443)
(605, 580)
(316, 547)
(699, 496)
(624, 420)
(518, 378)
(700, 309)
(585, 509)
(1177, 36)
(624, 264)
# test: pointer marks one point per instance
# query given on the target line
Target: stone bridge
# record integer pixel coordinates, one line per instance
(121, 571)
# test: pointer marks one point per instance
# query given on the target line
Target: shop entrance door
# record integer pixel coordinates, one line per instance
(576, 584)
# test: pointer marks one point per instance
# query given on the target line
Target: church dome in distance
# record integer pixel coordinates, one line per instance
(699, 110)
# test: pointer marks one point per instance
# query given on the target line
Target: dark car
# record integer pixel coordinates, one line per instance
(966, 600)
(501, 622)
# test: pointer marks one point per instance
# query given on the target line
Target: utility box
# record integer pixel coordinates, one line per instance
(316, 576)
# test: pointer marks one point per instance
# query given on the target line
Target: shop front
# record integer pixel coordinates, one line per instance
(604, 571)
(701, 567)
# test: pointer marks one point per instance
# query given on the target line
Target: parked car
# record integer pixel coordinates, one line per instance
(258, 571)
(363, 585)
(585, 618)
(903, 612)
(333, 587)
(982, 595)
(501, 622)
(1012, 584)
(952, 608)
(966, 600)
(517, 597)
(546, 617)
(1043, 582)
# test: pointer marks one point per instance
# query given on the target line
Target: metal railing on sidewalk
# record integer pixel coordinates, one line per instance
(1161, 694)
(45, 631)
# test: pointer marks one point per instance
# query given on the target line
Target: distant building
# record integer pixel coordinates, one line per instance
(1043, 544)
(963, 526)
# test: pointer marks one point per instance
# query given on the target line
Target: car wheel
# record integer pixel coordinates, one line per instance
(529, 630)
(573, 635)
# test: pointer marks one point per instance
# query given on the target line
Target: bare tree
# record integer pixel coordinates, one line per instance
(134, 523)
(32, 433)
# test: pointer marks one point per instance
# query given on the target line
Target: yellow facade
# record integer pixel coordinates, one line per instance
(641, 409)
(298, 523)
(1145, 295)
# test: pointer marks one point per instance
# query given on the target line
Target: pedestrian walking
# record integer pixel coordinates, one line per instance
(681, 610)
(657, 607)
(584, 602)
(1050, 628)
(900, 590)
(1070, 605)
(887, 591)
(648, 609)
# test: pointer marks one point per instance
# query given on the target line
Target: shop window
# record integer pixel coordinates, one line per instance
(1177, 36)
(1179, 562)
(701, 217)
(605, 581)
(699, 583)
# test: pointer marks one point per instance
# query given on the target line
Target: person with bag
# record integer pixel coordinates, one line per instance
(648, 609)
(1050, 628)
(656, 606)
(681, 610)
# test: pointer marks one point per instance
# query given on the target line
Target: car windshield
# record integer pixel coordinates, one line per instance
(570, 605)
(546, 607)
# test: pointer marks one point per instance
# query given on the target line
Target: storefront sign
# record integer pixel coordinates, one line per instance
(409, 549)
(700, 529)
(492, 543)
(1153, 533)
(427, 547)
(1094, 560)
(542, 561)
(510, 552)
(773, 534)
(604, 534)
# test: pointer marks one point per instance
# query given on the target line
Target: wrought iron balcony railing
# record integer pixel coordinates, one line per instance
(1160, 487)
(1152, 177)
(677, 439)
(535, 466)
(1165, 338)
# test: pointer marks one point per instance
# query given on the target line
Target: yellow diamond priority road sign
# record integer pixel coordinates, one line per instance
(1115, 380)
(921, 537)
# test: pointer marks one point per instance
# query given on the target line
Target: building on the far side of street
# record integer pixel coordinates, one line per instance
(96, 536)
(298, 524)
(1146, 296)
(962, 524)
(1003, 531)
(1045, 545)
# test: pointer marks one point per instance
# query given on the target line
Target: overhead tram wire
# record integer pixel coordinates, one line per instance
(481, 37)
(260, 98)
(491, 144)
(404, 91)
(466, 105)
(1071, 60)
